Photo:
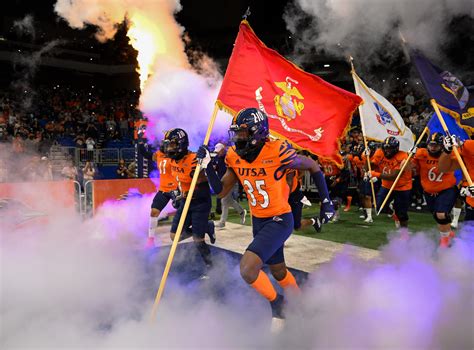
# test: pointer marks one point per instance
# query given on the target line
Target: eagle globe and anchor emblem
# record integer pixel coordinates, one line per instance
(288, 106)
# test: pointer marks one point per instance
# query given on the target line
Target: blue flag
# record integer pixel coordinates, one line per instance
(450, 94)
(454, 128)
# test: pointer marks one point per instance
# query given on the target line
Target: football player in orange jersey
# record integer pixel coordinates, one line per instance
(359, 162)
(183, 165)
(448, 162)
(261, 165)
(390, 159)
(439, 188)
(165, 193)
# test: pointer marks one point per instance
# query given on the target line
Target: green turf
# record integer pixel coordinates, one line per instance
(351, 229)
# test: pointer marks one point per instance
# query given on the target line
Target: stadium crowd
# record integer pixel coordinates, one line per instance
(33, 124)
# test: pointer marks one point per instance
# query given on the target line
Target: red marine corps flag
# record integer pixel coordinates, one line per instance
(302, 108)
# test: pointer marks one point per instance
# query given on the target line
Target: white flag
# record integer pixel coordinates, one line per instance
(379, 117)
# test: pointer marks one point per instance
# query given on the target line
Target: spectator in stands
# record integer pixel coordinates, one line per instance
(18, 145)
(45, 169)
(69, 171)
(80, 141)
(90, 143)
(409, 102)
(123, 127)
(92, 131)
(122, 170)
(111, 124)
(88, 172)
(131, 170)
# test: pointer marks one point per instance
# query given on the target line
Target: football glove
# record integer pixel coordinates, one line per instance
(203, 156)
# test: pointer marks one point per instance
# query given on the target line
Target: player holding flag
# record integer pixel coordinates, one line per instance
(439, 188)
(261, 166)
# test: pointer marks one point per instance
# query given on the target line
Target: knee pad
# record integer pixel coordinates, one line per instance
(447, 220)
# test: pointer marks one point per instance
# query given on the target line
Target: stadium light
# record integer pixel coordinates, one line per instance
(327, 65)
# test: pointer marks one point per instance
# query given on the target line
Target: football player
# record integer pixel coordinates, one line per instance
(389, 159)
(448, 162)
(183, 165)
(165, 193)
(439, 188)
(261, 165)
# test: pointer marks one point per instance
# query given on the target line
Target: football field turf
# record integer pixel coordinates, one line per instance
(351, 229)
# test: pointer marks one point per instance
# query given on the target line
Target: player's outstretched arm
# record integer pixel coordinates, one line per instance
(220, 186)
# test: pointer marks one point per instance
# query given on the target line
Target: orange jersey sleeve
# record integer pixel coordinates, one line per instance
(167, 181)
(183, 171)
(359, 163)
(264, 180)
(329, 168)
(432, 180)
(387, 166)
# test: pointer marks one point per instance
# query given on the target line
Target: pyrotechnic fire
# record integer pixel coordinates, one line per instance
(145, 37)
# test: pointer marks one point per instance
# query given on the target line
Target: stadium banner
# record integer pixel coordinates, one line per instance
(120, 189)
(302, 108)
(381, 118)
(30, 203)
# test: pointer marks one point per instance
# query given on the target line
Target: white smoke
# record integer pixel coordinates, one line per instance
(68, 283)
(73, 284)
(369, 30)
(26, 26)
(177, 94)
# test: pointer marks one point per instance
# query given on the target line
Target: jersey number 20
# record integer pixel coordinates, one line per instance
(260, 186)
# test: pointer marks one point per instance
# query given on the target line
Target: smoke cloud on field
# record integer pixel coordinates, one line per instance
(69, 283)
(369, 29)
(174, 92)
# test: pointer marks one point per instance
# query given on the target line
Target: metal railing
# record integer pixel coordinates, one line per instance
(127, 154)
(103, 156)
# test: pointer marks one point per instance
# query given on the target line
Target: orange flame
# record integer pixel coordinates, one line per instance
(145, 37)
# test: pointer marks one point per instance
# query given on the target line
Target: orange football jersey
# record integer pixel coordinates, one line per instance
(467, 154)
(264, 180)
(432, 180)
(167, 181)
(329, 167)
(183, 171)
(358, 162)
(387, 166)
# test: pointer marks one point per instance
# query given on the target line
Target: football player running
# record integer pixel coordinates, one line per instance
(261, 165)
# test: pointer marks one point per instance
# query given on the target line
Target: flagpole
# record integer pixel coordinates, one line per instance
(455, 149)
(410, 155)
(364, 137)
(182, 219)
